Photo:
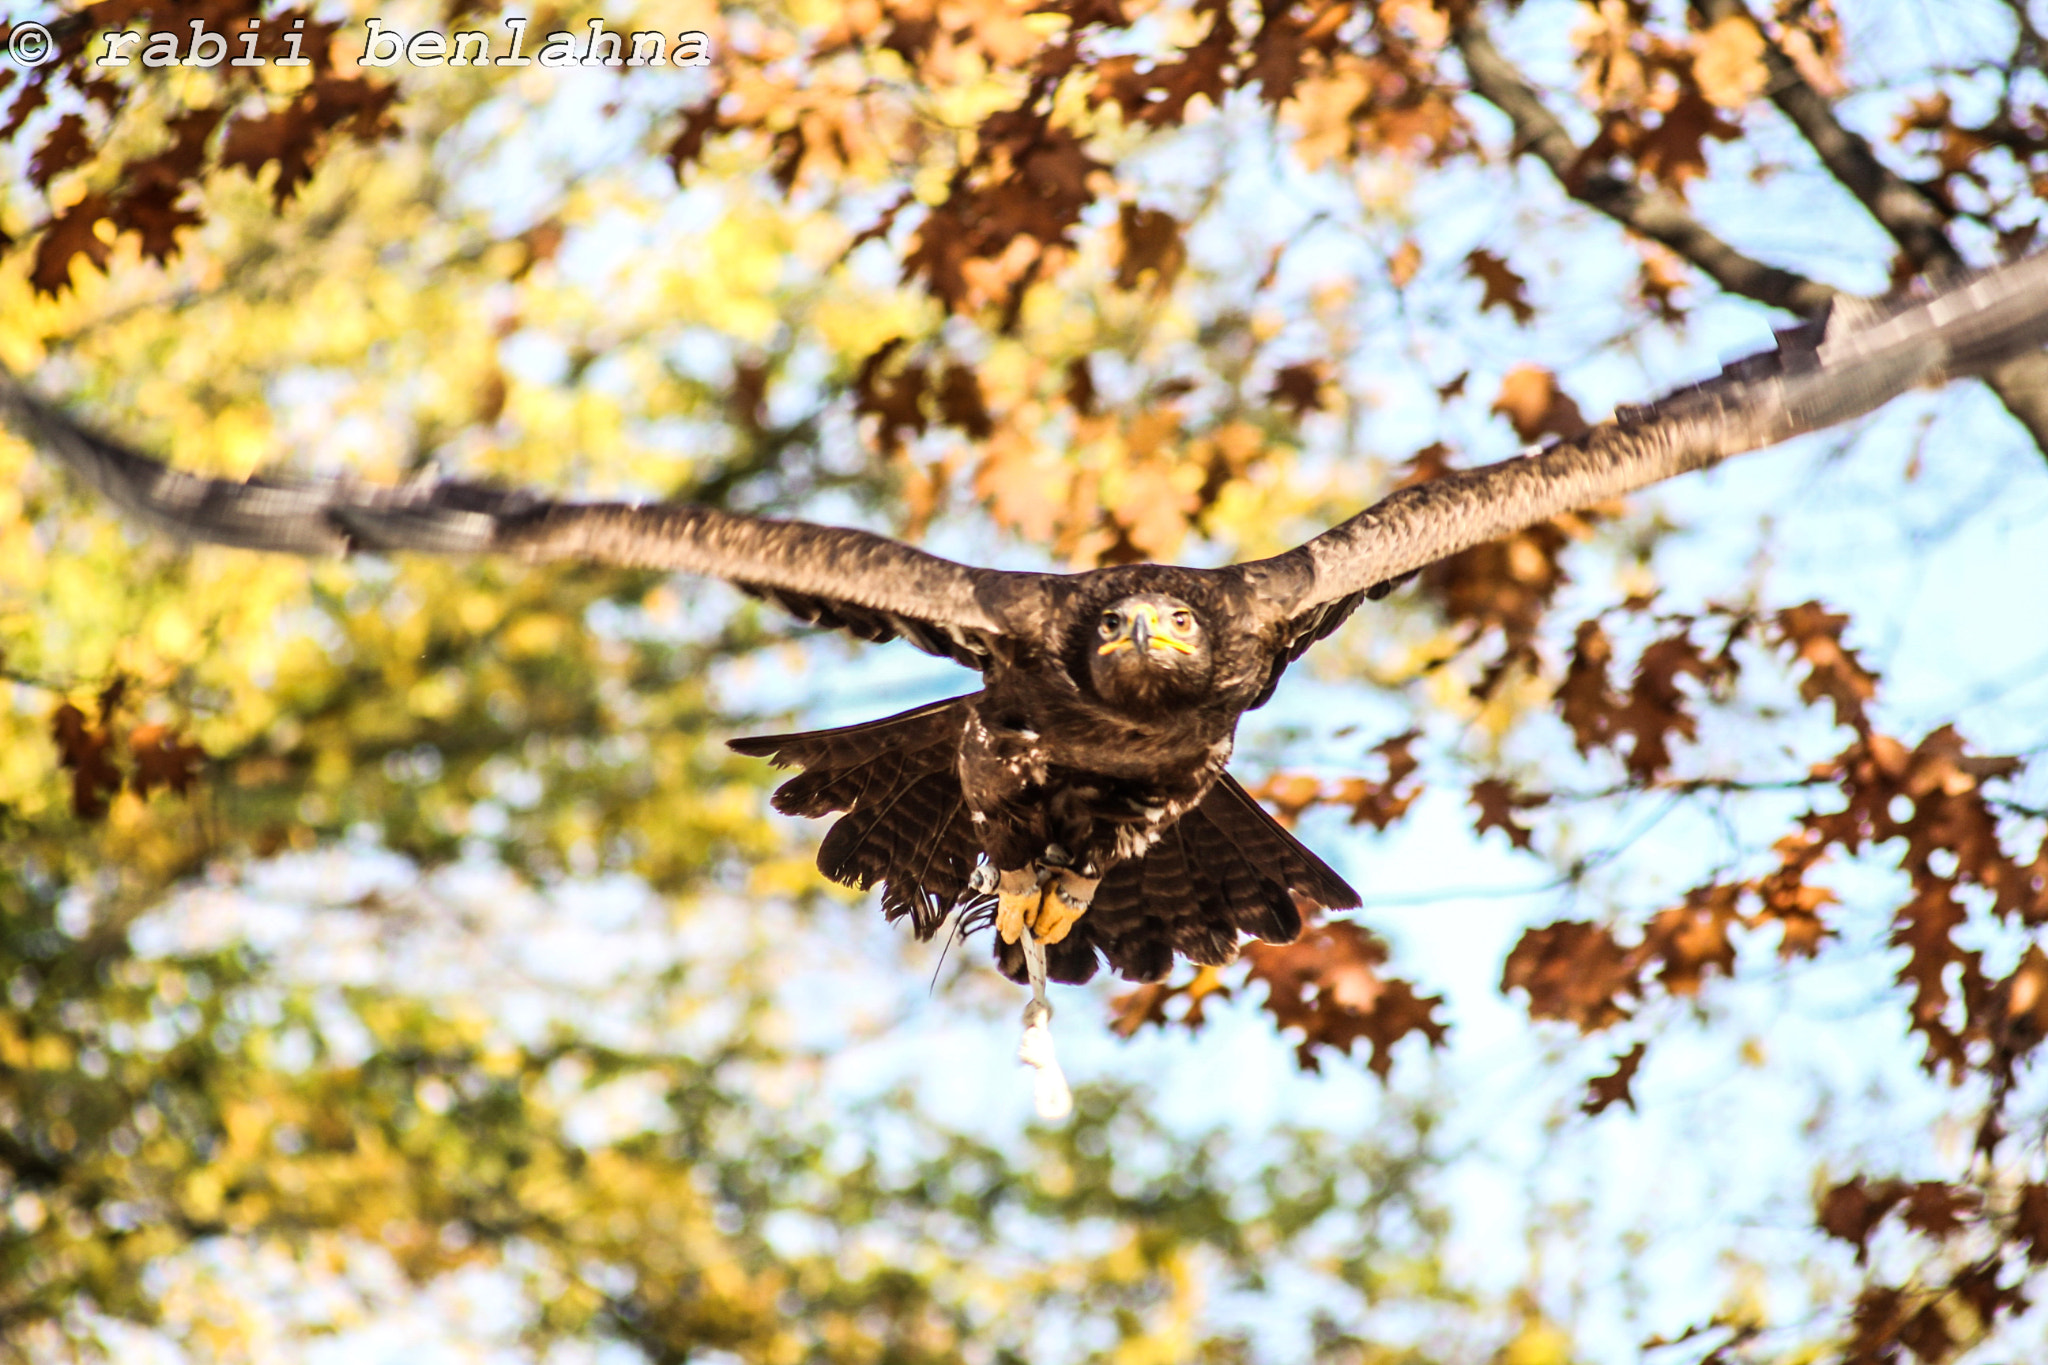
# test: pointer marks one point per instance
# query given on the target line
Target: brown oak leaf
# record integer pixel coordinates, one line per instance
(1498, 801)
(84, 748)
(1150, 243)
(1299, 387)
(66, 146)
(1536, 407)
(1613, 1088)
(1504, 288)
(162, 759)
(74, 232)
(1852, 1210)
(1327, 983)
(1574, 971)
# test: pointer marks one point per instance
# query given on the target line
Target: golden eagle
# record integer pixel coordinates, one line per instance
(1082, 792)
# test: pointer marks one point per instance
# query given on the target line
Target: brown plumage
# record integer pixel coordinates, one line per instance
(1082, 790)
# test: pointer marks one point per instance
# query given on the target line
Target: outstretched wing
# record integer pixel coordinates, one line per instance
(870, 585)
(1864, 354)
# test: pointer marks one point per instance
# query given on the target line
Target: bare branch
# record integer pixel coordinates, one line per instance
(2022, 384)
(1901, 208)
(1914, 220)
(1656, 214)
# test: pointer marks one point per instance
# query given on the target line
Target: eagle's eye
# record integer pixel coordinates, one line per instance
(1183, 621)
(1111, 622)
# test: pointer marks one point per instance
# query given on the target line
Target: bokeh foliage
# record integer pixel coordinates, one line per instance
(997, 276)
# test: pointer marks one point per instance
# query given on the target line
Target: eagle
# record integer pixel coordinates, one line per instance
(1080, 800)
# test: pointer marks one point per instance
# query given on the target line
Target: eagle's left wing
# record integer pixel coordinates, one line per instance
(1864, 355)
(873, 586)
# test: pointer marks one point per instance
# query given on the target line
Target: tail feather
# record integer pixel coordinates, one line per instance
(1226, 868)
(1269, 846)
(905, 822)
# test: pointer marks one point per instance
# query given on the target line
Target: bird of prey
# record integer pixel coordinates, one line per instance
(1080, 798)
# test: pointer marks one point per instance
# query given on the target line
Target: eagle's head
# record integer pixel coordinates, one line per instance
(1148, 648)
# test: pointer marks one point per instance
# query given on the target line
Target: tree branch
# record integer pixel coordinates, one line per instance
(1903, 211)
(1656, 214)
(1901, 208)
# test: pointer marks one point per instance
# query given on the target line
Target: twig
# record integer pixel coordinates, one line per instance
(1688, 786)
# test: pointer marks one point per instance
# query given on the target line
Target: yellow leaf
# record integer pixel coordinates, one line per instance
(1538, 1343)
(1322, 108)
(1728, 62)
(1402, 265)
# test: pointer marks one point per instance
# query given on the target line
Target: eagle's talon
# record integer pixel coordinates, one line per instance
(1069, 897)
(1018, 896)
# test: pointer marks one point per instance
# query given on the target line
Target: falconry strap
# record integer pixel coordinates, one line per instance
(1049, 1087)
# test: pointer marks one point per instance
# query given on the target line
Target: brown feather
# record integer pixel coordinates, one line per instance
(905, 821)
(1226, 868)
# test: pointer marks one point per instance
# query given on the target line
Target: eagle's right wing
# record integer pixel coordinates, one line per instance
(868, 584)
(1866, 354)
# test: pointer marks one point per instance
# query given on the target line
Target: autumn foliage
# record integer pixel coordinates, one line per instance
(994, 274)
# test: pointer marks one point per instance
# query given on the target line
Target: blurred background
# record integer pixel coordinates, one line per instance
(398, 967)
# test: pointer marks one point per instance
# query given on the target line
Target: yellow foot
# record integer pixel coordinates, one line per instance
(1066, 900)
(1018, 896)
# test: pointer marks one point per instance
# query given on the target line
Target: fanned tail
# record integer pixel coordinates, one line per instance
(906, 821)
(1226, 868)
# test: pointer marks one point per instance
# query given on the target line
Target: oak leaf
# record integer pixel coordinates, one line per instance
(1673, 152)
(1536, 407)
(1728, 62)
(1149, 1003)
(1299, 387)
(294, 136)
(1504, 288)
(1656, 708)
(85, 747)
(74, 232)
(1404, 263)
(1327, 983)
(1149, 243)
(1613, 1088)
(1852, 1210)
(1586, 698)
(1833, 671)
(1498, 802)
(1573, 971)
(1937, 1210)
(2030, 1221)
(65, 146)
(961, 403)
(162, 759)
(1080, 389)
(894, 395)
(1692, 940)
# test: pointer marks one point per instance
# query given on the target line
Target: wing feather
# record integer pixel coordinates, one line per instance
(1864, 355)
(868, 584)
